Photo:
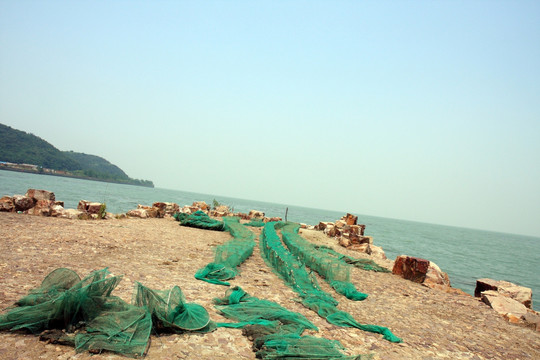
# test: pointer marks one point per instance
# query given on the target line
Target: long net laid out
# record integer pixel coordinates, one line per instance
(90, 318)
(333, 271)
(276, 331)
(255, 223)
(364, 264)
(200, 220)
(295, 275)
(229, 255)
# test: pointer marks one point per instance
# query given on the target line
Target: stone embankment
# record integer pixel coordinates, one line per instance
(511, 301)
(43, 202)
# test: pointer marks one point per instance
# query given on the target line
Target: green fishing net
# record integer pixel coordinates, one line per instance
(199, 220)
(255, 223)
(229, 255)
(170, 311)
(364, 264)
(276, 332)
(334, 271)
(94, 319)
(294, 273)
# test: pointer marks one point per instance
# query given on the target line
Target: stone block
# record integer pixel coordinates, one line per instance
(40, 194)
(6, 204)
(22, 202)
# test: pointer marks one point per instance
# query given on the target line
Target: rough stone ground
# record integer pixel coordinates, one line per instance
(159, 253)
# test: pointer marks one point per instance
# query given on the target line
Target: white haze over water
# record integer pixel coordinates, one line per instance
(465, 254)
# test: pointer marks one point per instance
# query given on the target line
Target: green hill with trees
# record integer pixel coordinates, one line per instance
(19, 147)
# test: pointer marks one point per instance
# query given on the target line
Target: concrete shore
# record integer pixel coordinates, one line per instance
(160, 254)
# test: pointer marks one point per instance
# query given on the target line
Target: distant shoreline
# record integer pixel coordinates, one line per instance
(72, 176)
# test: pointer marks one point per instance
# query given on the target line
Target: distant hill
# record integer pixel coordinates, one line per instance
(19, 147)
(23, 148)
(93, 163)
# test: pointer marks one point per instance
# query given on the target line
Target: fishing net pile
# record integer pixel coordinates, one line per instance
(89, 317)
(275, 331)
(294, 274)
(200, 220)
(229, 255)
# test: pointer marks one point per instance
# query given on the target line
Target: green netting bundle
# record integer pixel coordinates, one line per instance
(199, 220)
(365, 264)
(102, 321)
(335, 272)
(119, 327)
(170, 311)
(276, 331)
(229, 255)
(294, 273)
(255, 223)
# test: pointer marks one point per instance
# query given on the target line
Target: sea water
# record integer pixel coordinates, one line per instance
(465, 254)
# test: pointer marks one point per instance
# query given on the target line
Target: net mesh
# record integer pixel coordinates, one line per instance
(96, 320)
(294, 273)
(364, 264)
(229, 255)
(255, 223)
(200, 220)
(276, 332)
(334, 271)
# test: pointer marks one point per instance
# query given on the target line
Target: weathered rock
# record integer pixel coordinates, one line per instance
(332, 231)
(41, 207)
(216, 213)
(340, 224)
(436, 276)
(350, 219)
(503, 304)
(532, 319)
(57, 210)
(22, 203)
(354, 229)
(323, 224)
(484, 285)
(362, 229)
(91, 207)
(201, 205)
(6, 204)
(40, 194)
(376, 252)
(419, 270)
(363, 248)
(361, 239)
(138, 213)
(519, 293)
(223, 208)
(71, 214)
(274, 219)
(166, 208)
(255, 214)
(345, 242)
(186, 210)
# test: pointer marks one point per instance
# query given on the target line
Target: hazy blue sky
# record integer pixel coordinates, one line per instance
(418, 110)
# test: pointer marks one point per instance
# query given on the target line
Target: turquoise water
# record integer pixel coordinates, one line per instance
(465, 254)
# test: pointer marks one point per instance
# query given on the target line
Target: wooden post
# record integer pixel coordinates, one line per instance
(286, 211)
